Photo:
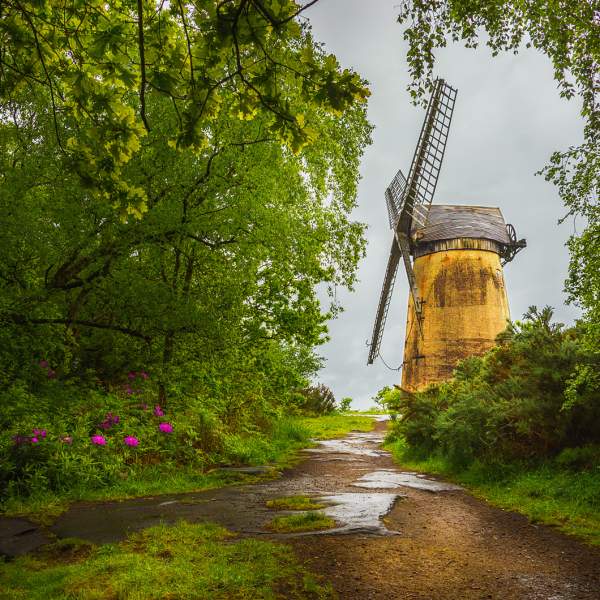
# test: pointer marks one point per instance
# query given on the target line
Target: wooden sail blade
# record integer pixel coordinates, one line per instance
(394, 195)
(427, 161)
(384, 302)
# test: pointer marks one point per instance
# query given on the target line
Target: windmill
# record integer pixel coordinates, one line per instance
(452, 256)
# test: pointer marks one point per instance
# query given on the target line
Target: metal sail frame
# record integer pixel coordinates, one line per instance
(408, 201)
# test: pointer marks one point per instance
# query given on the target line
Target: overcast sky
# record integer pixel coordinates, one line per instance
(508, 119)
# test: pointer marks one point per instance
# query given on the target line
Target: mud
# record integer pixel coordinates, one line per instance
(398, 535)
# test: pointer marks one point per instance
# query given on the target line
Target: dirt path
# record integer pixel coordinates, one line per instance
(452, 546)
(400, 535)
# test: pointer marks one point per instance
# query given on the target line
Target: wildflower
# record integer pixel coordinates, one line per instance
(34, 440)
(39, 433)
(67, 439)
(166, 427)
(44, 364)
(128, 390)
(144, 375)
(109, 421)
(129, 440)
(131, 375)
(98, 440)
(51, 374)
(158, 411)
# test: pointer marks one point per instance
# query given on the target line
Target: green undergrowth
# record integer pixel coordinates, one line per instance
(547, 492)
(194, 561)
(278, 448)
(294, 503)
(308, 521)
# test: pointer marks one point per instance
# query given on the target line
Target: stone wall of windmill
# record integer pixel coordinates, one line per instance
(464, 304)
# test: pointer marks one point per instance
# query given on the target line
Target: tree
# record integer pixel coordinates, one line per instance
(100, 65)
(227, 255)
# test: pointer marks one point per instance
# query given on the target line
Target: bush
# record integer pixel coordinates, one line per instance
(519, 401)
(317, 400)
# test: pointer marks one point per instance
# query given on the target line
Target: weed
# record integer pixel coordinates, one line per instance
(294, 503)
(308, 521)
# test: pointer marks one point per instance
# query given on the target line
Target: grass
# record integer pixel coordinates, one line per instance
(308, 521)
(333, 426)
(279, 448)
(294, 503)
(546, 493)
(192, 561)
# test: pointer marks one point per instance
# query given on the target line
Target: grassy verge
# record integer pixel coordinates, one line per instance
(308, 521)
(332, 426)
(195, 561)
(278, 449)
(545, 493)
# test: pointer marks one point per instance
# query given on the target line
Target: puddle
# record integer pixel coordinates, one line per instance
(396, 479)
(360, 512)
(357, 444)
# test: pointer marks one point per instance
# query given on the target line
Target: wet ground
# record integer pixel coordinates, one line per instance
(398, 534)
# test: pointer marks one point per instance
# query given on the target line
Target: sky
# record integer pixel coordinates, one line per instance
(508, 119)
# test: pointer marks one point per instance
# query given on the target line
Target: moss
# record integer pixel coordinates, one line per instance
(294, 503)
(308, 521)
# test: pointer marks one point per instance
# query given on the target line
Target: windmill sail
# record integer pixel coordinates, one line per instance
(408, 201)
(384, 301)
(427, 160)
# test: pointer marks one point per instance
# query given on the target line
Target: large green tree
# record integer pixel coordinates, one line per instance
(212, 279)
(101, 64)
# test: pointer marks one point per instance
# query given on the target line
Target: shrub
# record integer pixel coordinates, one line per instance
(317, 400)
(520, 401)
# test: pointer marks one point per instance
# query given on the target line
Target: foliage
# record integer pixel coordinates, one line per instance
(294, 503)
(100, 66)
(183, 561)
(345, 404)
(510, 404)
(317, 400)
(387, 398)
(307, 521)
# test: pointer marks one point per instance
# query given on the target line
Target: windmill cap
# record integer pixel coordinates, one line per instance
(450, 221)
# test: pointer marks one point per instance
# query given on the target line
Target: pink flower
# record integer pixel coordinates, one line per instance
(67, 439)
(144, 375)
(130, 441)
(158, 411)
(44, 364)
(34, 440)
(51, 374)
(128, 390)
(166, 427)
(98, 440)
(131, 375)
(39, 433)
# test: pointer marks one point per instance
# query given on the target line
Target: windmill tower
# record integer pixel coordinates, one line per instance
(453, 258)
